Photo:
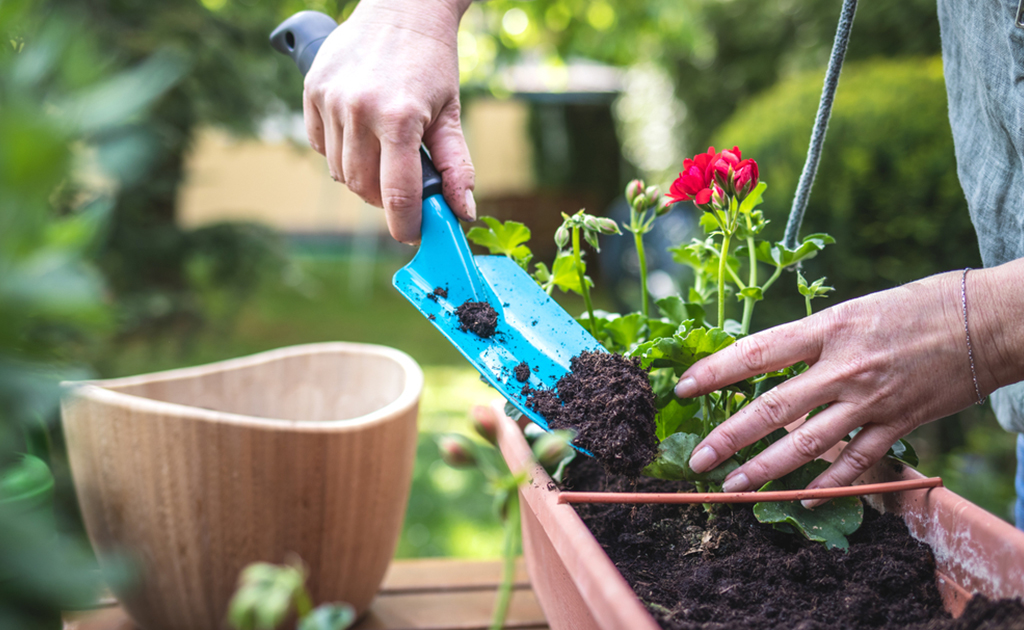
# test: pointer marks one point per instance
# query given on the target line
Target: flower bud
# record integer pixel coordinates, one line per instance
(719, 199)
(745, 178)
(590, 222)
(607, 226)
(633, 189)
(652, 192)
(456, 451)
(664, 205)
(640, 202)
(486, 425)
(562, 236)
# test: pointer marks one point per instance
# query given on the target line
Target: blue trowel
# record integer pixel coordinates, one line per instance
(444, 274)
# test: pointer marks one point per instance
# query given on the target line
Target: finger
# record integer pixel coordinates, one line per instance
(772, 410)
(334, 144)
(360, 158)
(401, 181)
(314, 123)
(772, 349)
(864, 450)
(802, 445)
(448, 149)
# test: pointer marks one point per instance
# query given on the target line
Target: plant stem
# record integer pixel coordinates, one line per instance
(721, 279)
(748, 302)
(578, 257)
(638, 238)
(508, 571)
(705, 413)
(771, 280)
(807, 299)
(303, 602)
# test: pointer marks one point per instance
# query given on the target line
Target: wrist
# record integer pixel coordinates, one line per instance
(995, 300)
(423, 14)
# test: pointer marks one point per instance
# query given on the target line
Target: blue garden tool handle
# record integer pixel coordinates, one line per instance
(442, 241)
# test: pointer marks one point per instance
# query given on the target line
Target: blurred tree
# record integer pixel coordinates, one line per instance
(234, 79)
(69, 139)
(887, 187)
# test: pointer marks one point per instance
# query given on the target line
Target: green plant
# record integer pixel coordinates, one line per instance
(268, 592)
(726, 266)
(552, 451)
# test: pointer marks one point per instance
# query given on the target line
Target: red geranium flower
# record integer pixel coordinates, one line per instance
(694, 183)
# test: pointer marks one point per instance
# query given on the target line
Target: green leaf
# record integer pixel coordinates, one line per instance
(830, 523)
(904, 452)
(661, 328)
(329, 617)
(754, 293)
(754, 198)
(677, 311)
(709, 222)
(627, 330)
(683, 349)
(781, 256)
(506, 238)
(673, 461)
(677, 416)
(564, 275)
(815, 289)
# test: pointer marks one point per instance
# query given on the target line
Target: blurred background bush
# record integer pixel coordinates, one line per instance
(159, 208)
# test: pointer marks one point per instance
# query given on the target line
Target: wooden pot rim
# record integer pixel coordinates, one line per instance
(99, 390)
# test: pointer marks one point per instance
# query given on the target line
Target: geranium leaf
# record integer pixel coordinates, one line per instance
(673, 461)
(677, 416)
(754, 293)
(683, 349)
(506, 238)
(564, 274)
(625, 331)
(329, 617)
(677, 311)
(753, 198)
(830, 523)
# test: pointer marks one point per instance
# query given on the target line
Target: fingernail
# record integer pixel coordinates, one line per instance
(471, 204)
(687, 387)
(810, 504)
(703, 459)
(736, 483)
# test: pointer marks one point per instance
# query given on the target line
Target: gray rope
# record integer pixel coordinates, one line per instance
(828, 93)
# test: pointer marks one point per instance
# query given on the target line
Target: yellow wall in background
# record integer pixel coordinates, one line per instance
(287, 186)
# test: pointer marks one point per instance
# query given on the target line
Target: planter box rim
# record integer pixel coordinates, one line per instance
(100, 390)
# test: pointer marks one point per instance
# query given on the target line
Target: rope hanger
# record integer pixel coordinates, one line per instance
(828, 93)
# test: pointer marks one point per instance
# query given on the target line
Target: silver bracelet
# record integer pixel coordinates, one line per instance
(967, 333)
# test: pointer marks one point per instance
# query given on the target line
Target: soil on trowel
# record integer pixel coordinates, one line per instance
(522, 372)
(732, 572)
(608, 401)
(436, 293)
(477, 317)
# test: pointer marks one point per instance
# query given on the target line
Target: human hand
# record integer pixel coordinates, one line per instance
(384, 81)
(886, 362)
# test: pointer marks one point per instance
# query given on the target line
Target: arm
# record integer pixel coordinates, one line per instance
(888, 362)
(386, 80)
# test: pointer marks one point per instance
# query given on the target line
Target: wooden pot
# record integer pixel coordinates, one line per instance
(195, 473)
(579, 587)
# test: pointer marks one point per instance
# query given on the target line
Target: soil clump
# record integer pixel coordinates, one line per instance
(477, 317)
(608, 401)
(522, 372)
(733, 572)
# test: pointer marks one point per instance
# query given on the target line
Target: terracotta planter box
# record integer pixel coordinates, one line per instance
(579, 587)
(196, 473)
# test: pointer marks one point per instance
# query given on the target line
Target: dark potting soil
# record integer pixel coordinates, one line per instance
(522, 372)
(441, 292)
(477, 317)
(736, 573)
(607, 399)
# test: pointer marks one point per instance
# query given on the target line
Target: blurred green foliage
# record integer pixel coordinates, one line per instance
(68, 123)
(887, 186)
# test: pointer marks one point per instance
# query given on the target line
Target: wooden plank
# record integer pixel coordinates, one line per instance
(444, 574)
(427, 594)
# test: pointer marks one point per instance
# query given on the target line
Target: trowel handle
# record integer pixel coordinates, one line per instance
(300, 37)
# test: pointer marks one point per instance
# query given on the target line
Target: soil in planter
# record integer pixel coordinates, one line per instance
(607, 399)
(477, 317)
(736, 573)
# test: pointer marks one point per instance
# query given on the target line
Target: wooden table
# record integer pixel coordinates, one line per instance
(428, 594)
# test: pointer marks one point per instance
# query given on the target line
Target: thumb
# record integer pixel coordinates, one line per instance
(450, 154)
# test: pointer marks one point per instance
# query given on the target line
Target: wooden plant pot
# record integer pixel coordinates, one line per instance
(195, 473)
(579, 587)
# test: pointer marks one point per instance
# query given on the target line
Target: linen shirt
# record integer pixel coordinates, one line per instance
(983, 57)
